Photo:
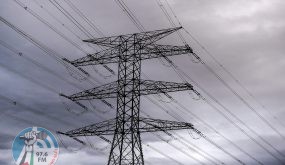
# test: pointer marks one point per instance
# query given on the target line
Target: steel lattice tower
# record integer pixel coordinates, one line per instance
(129, 51)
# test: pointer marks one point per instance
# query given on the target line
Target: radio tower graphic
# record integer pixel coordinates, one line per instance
(129, 51)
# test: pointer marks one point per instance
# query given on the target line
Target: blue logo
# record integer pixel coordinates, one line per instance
(35, 146)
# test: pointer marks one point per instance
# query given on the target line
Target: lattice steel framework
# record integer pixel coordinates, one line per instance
(128, 51)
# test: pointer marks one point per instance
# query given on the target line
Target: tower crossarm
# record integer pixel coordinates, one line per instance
(147, 48)
(129, 51)
(153, 125)
(106, 41)
(146, 125)
(101, 92)
(151, 51)
(98, 129)
(103, 57)
(155, 87)
(146, 37)
(146, 87)
(155, 50)
(153, 36)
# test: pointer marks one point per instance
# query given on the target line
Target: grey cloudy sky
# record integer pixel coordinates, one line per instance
(246, 36)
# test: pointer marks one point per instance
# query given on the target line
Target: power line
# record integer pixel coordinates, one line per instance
(138, 23)
(170, 20)
(165, 12)
(175, 67)
(21, 54)
(130, 14)
(90, 23)
(77, 36)
(75, 9)
(175, 116)
(44, 48)
(59, 21)
(240, 149)
(42, 85)
(187, 144)
(229, 73)
(37, 64)
(34, 81)
(49, 25)
(159, 151)
(72, 19)
(243, 100)
(209, 126)
(126, 144)
(26, 107)
(233, 115)
(73, 70)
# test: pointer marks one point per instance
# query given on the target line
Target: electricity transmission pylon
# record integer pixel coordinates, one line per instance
(129, 51)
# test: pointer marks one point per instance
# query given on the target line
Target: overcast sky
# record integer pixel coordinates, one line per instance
(246, 36)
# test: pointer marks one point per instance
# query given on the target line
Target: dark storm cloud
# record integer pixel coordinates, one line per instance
(5, 141)
(246, 36)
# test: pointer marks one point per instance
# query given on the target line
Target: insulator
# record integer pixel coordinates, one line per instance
(195, 96)
(107, 103)
(194, 59)
(96, 109)
(59, 137)
(72, 72)
(163, 138)
(100, 74)
(83, 71)
(163, 62)
(191, 134)
(67, 107)
(109, 69)
(163, 100)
